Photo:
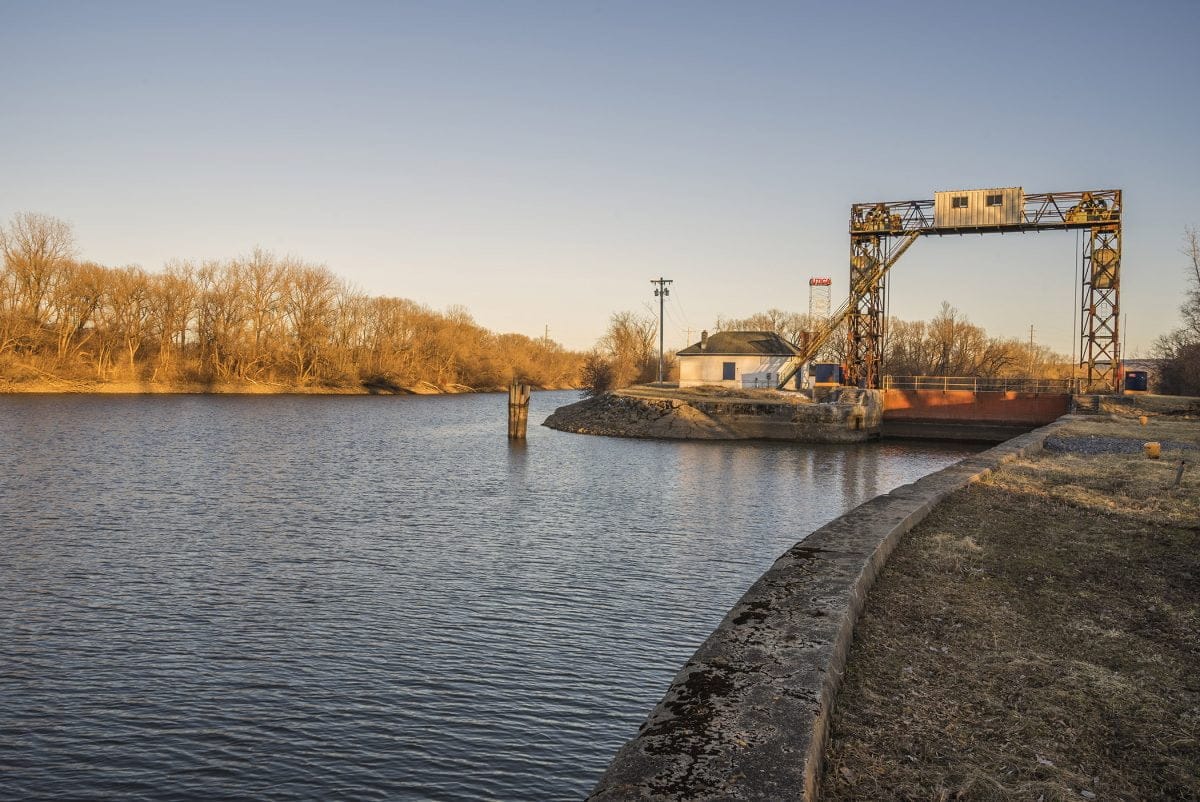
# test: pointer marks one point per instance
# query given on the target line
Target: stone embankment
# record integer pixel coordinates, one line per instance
(851, 416)
(748, 716)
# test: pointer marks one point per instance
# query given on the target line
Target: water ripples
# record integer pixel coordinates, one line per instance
(366, 598)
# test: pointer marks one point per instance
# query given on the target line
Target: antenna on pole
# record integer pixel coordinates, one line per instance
(1031, 361)
(661, 292)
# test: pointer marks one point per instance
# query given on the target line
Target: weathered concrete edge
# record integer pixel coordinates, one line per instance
(778, 658)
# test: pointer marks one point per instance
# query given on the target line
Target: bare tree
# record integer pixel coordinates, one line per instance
(629, 345)
(1190, 309)
(172, 297)
(72, 307)
(309, 301)
(264, 283)
(1180, 348)
(221, 320)
(792, 326)
(10, 309)
(350, 343)
(35, 247)
(127, 308)
(950, 345)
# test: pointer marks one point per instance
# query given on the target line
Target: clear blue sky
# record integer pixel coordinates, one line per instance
(539, 163)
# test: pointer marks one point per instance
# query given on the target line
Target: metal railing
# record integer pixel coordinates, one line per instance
(980, 384)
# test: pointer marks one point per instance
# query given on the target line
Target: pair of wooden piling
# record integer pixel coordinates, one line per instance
(518, 410)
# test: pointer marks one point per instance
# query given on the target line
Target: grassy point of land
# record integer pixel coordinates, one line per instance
(1038, 635)
(762, 395)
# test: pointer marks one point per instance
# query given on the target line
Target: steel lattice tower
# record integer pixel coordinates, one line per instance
(818, 298)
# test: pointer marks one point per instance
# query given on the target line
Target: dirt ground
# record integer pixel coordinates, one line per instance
(1038, 635)
(765, 395)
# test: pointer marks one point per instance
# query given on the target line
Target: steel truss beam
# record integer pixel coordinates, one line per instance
(875, 227)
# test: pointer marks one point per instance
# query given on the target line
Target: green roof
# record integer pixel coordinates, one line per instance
(743, 343)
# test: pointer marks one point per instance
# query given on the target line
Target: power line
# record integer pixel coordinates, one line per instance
(683, 314)
(676, 322)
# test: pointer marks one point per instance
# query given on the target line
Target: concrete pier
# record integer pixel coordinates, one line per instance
(852, 417)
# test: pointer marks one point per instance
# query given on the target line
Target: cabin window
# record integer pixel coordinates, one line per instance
(995, 200)
(958, 202)
(727, 371)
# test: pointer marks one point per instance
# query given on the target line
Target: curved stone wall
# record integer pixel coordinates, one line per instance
(748, 715)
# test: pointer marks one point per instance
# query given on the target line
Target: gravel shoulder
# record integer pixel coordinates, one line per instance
(1038, 635)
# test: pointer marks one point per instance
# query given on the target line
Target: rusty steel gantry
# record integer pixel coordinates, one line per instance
(880, 233)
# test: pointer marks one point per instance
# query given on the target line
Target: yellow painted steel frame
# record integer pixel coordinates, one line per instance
(1101, 320)
(865, 318)
(875, 227)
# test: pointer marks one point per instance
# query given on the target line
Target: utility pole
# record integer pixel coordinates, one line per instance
(661, 291)
(546, 336)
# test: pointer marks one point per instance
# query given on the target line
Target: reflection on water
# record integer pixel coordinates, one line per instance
(367, 597)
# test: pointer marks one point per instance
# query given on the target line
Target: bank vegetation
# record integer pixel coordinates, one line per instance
(255, 321)
(947, 345)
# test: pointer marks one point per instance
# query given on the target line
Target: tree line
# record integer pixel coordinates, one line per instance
(258, 319)
(947, 345)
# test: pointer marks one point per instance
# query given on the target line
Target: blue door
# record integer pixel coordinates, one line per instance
(727, 371)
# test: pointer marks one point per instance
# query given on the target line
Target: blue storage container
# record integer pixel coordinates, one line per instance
(1136, 380)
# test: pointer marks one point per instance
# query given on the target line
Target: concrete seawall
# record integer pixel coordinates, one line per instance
(748, 715)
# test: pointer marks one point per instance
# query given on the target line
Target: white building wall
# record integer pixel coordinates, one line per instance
(709, 368)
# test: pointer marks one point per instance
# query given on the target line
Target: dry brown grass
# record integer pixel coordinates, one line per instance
(1037, 637)
(1171, 405)
(1183, 430)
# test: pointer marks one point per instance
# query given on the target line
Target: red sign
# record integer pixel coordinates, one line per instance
(820, 282)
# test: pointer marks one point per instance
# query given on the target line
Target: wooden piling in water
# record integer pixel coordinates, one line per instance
(518, 410)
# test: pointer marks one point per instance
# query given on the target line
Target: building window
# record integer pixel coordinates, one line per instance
(958, 202)
(995, 200)
(727, 371)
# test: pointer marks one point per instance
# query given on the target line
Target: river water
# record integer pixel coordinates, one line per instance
(367, 597)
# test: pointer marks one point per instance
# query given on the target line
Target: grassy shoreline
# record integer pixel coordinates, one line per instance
(1038, 635)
